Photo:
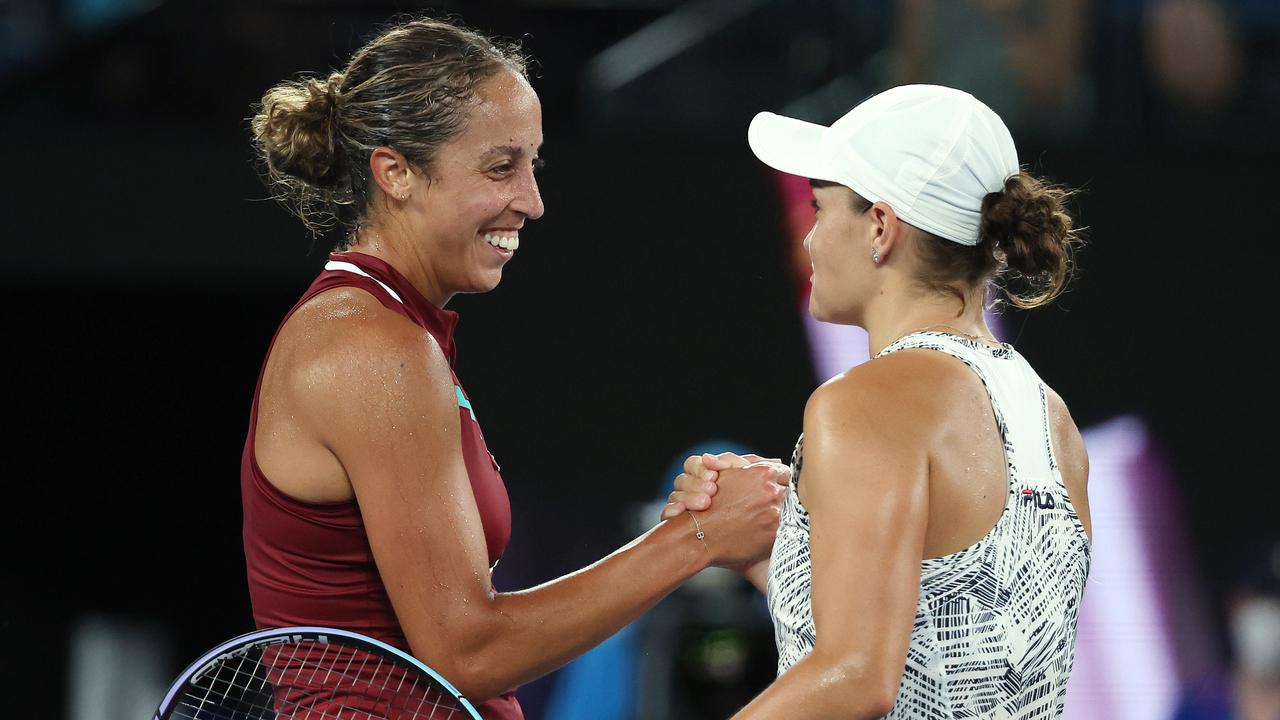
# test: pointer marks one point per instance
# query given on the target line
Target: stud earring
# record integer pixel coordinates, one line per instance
(875, 256)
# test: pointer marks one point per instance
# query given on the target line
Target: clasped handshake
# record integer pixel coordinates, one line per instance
(735, 501)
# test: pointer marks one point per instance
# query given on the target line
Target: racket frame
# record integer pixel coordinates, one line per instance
(302, 633)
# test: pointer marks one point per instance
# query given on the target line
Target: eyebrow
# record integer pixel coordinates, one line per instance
(512, 150)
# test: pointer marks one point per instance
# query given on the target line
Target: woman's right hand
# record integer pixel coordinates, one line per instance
(740, 527)
(695, 487)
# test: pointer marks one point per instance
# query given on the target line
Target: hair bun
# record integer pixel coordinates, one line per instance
(1028, 229)
(296, 129)
(410, 88)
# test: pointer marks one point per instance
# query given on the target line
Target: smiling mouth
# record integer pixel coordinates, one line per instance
(504, 242)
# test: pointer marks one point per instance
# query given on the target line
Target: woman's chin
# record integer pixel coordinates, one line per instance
(823, 313)
(489, 280)
(817, 311)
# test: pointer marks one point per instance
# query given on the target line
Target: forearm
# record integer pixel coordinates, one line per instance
(817, 688)
(758, 574)
(534, 631)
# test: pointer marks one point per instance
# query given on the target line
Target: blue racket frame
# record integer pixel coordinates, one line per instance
(301, 633)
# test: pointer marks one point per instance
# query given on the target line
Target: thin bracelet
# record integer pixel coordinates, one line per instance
(700, 535)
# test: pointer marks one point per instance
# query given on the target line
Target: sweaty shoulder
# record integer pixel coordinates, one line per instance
(910, 390)
(1069, 449)
(343, 344)
(1069, 444)
(868, 430)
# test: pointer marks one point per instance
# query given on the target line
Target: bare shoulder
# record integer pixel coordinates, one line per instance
(1072, 456)
(334, 317)
(893, 403)
(906, 391)
(344, 343)
(866, 435)
(1068, 443)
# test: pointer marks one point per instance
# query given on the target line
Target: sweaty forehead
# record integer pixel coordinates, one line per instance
(506, 118)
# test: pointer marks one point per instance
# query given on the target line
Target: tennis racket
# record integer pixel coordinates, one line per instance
(311, 673)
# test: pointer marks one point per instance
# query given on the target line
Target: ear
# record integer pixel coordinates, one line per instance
(887, 229)
(391, 172)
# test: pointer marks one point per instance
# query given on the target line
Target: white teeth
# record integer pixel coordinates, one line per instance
(506, 243)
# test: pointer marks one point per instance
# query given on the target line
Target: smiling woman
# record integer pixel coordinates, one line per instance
(371, 501)
(426, 105)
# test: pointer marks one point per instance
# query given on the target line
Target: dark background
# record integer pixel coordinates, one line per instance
(649, 309)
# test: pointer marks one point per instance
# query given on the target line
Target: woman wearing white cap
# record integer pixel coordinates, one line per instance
(937, 531)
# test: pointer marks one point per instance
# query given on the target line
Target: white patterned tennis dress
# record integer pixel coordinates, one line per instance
(995, 623)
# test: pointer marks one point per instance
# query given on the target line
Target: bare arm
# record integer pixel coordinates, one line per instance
(391, 418)
(865, 484)
(1073, 458)
(757, 573)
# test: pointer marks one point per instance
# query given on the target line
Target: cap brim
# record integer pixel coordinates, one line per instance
(790, 145)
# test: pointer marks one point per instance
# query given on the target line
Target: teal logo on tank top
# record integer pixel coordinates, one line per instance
(463, 402)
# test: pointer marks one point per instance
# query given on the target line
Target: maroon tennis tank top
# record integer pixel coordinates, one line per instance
(310, 563)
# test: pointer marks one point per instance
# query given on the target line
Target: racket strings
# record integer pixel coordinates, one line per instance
(229, 692)
(313, 680)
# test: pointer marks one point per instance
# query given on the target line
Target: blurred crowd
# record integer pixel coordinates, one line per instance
(1061, 69)
(1065, 68)
(1249, 687)
(1050, 63)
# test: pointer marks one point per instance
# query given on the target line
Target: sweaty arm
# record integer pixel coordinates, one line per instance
(390, 416)
(865, 485)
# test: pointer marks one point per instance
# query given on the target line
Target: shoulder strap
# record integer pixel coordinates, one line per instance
(342, 266)
(1017, 396)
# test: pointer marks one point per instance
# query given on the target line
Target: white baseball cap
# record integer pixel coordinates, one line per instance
(931, 152)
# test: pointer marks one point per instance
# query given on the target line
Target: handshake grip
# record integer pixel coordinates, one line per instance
(734, 503)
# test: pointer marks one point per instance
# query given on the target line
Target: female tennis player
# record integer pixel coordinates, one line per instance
(371, 502)
(933, 551)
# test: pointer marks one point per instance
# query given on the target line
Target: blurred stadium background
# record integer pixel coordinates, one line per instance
(652, 312)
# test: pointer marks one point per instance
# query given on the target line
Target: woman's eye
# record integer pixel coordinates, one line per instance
(814, 203)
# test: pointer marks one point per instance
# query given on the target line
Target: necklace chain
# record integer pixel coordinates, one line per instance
(953, 331)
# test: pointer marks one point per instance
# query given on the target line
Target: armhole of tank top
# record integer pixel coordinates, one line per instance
(1056, 469)
(923, 342)
(260, 478)
(797, 469)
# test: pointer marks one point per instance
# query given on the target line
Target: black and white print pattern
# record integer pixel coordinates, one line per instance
(995, 625)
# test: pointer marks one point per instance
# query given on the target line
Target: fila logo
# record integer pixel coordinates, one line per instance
(1043, 500)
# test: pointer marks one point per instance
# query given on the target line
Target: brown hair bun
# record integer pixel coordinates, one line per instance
(295, 129)
(1028, 229)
